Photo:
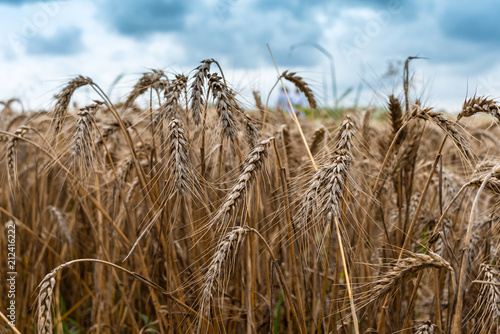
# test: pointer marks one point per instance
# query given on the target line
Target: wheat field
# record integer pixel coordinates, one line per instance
(191, 214)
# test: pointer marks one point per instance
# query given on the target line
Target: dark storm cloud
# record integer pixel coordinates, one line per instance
(140, 18)
(242, 33)
(230, 29)
(239, 30)
(64, 42)
(473, 22)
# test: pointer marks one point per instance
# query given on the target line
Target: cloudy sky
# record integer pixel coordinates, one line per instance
(45, 43)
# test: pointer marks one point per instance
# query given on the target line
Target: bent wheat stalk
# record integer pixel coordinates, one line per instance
(294, 116)
(46, 291)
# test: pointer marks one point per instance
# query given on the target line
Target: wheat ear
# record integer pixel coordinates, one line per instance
(225, 104)
(63, 99)
(197, 104)
(489, 296)
(148, 79)
(426, 327)
(317, 140)
(449, 128)
(251, 165)
(178, 162)
(11, 153)
(480, 104)
(213, 278)
(302, 86)
(403, 271)
(82, 139)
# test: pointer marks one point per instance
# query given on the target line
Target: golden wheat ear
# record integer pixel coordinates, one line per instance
(317, 140)
(426, 327)
(63, 99)
(178, 162)
(12, 154)
(197, 103)
(302, 86)
(153, 79)
(83, 142)
(488, 304)
(396, 117)
(404, 270)
(226, 106)
(45, 297)
(220, 263)
(480, 104)
(252, 164)
(449, 128)
(170, 109)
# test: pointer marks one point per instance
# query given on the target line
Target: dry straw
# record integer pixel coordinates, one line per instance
(172, 195)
